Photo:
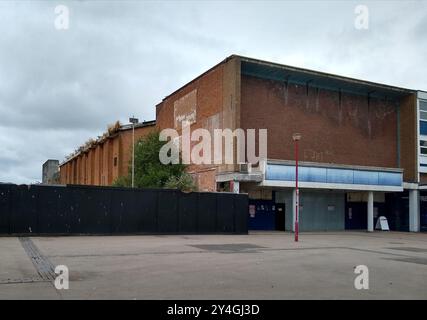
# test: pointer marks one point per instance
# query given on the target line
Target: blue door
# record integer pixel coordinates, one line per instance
(262, 215)
(356, 216)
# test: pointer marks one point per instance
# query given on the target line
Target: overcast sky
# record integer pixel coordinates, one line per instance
(60, 87)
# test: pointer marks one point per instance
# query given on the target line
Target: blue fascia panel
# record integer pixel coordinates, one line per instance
(389, 178)
(281, 172)
(365, 177)
(312, 174)
(340, 176)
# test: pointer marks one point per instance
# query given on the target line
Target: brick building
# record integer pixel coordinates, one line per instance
(363, 151)
(359, 152)
(104, 160)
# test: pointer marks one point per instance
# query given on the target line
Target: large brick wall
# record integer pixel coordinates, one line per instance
(336, 128)
(98, 166)
(408, 138)
(217, 96)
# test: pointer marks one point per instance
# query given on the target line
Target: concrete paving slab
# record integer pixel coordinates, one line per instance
(14, 262)
(255, 266)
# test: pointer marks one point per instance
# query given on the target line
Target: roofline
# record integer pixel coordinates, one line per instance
(50, 160)
(291, 68)
(125, 127)
(143, 124)
(325, 74)
(201, 75)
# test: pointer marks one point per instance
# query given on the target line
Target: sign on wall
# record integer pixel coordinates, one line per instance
(185, 109)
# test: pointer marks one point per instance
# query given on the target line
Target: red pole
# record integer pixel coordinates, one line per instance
(296, 191)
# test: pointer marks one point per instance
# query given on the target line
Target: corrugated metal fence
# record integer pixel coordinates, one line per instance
(41, 209)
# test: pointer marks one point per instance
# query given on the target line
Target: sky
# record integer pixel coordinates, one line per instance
(60, 87)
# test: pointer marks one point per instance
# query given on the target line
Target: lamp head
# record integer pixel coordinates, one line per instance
(133, 120)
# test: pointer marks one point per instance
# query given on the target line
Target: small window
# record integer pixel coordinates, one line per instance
(423, 147)
(115, 161)
(423, 127)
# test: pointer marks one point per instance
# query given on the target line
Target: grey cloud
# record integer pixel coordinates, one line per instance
(59, 88)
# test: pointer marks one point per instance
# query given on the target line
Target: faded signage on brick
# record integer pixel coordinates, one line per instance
(185, 109)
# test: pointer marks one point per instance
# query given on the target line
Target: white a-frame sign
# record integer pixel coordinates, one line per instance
(382, 224)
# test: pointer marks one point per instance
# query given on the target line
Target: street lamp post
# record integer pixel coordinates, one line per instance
(296, 137)
(133, 121)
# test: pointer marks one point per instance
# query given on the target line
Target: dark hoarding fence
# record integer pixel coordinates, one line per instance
(5, 194)
(72, 209)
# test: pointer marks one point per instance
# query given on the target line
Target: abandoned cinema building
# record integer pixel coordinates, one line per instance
(363, 147)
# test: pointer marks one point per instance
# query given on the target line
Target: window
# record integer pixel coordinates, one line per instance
(423, 147)
(423, 110)
(423, 116)
(115, 161)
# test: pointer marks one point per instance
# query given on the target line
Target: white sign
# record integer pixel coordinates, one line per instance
(382, 224)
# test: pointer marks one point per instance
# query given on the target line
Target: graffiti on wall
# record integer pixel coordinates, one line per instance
(185, 109)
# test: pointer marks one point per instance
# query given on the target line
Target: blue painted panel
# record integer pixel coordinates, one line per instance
(390, 178)
(423, 127)
(287, 173)
(333, 175)
(340, 176)
(365, 177)
(279, 172)
(312, 174)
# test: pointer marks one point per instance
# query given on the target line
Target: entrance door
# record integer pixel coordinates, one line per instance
(280, 216)
(356, 216)
(261, 215)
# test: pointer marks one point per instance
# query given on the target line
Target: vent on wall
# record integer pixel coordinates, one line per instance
(245, 167)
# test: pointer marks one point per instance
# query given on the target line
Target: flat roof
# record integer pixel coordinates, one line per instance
(282, 72)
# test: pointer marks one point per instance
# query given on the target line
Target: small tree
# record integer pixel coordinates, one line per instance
(184, 183)
(150, 172)
(122, 181)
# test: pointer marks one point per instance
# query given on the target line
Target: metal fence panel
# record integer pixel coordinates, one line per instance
(72, 209)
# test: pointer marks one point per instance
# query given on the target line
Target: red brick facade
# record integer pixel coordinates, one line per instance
(216, 108)
(103, 163)
(336, 127)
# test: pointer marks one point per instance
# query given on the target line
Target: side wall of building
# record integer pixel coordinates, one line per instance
(211, 101)
(336, 127)
(408, 138)
(105, 162)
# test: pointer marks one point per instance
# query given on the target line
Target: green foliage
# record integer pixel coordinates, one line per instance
(184, 182)
(123, 181)
(150, 172)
